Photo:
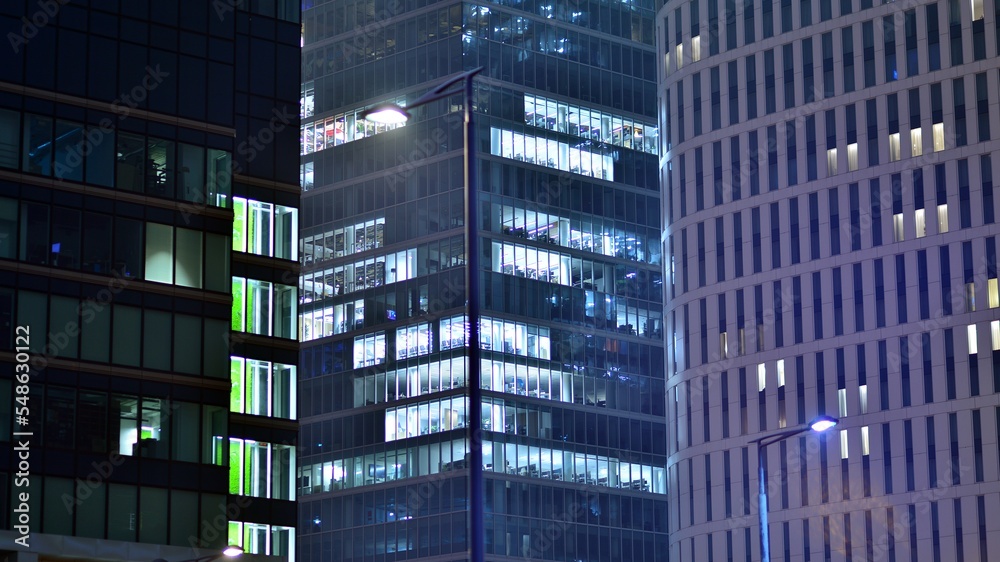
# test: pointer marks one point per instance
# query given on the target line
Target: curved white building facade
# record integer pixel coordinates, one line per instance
(828, 172)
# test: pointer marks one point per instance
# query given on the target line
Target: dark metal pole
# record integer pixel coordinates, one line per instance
(477, 542)
(765, 543)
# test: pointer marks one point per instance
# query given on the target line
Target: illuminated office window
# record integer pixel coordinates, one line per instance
(970, 297)
(916, 142)
(842, 402)
(863, 398)
(921, 222)
(831, 161)
(992, 293)
(942, 212)
(864, 441)
(938, 130)
(852, 157)
(843, 444)
(897, 227)
(695, 49)
(977, 9)
(761, 377)
(723, 345)
(973, 342)
(894, 147)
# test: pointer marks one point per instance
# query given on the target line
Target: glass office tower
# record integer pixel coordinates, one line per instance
(830, 218)
(148, 244)
(572, 359)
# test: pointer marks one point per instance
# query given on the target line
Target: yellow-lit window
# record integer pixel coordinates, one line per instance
(921, 223)
(696, 49)
(679, 56)
(938, 130)
(977, 10)
(992, 293)
(916, 142)
(852, 157)
(942, 218)
(894, 147)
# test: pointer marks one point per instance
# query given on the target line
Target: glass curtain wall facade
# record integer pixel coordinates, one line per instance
(148, 248)
(852, 145)
(571, 334)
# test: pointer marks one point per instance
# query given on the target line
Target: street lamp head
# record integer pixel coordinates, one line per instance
(232, 551)
(823, 423)
(387, 114)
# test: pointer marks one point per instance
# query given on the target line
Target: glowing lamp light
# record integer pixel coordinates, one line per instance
(387, 114)
(823, 423)
(232, 551)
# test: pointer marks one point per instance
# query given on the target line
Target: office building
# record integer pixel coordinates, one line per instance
(148, 239)
(831, 233)
(571, 329)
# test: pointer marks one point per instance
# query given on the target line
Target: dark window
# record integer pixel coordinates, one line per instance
(955, 31)
(868, 44)
(889, 48)
(847, 38)
(933, 38)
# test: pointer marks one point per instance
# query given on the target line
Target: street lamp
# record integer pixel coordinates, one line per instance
(393, 114)
(818, 425)
(230, 551)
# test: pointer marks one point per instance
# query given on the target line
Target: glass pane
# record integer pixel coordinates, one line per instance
(216, 262)
(189, 258)
(156, 340)
(191, 173)
(121, 512)
(187, 344)
(131, 162)
(37, 145)
(35, 233)
(10, 124)
(159, 253)
(65, 246)
(96, 243)
(32, 310)
(101, 157)
(161, 168)
(219, 177)
(125, 343)
(68, 151)
(128, 248)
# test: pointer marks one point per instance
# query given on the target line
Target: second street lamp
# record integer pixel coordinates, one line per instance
(393, 114)
(819, 425)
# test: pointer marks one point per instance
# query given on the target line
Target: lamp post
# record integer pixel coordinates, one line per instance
(818, 425)
(393, 114)
(230, 551)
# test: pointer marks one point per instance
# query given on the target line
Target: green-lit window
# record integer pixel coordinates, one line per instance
(264, 308)
(262, 388)
(265, 229)
(261, 470)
